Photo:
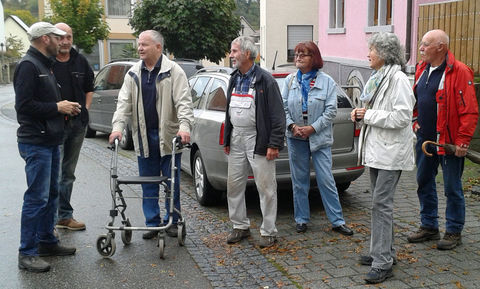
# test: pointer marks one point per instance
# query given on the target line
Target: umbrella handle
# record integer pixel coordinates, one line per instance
(424, 147)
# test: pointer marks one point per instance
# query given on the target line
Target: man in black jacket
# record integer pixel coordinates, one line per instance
(75, 77)
(40, 113)
(254, 135)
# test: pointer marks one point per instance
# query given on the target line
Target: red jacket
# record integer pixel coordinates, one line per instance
(457, 108)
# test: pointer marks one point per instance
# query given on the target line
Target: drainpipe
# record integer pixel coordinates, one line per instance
(408, 42)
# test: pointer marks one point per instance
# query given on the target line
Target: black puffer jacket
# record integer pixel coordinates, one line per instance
(36, 97)
(269, 114)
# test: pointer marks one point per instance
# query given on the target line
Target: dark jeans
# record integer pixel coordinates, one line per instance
(69, 153)
(42, 165)
(156, 165)
(427, 169)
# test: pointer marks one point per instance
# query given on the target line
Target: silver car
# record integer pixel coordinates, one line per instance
(108, 82)
(206, 161)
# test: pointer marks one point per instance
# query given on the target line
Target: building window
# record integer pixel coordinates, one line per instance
(296, 34)
(119, 8)
(336, 23)
(120, 49)
(379, 16)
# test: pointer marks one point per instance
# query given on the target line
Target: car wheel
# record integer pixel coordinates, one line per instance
(205, 193)
(127, 142)
(90, 133)
(343, 186)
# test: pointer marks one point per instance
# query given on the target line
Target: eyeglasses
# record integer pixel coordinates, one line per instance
(301, 55)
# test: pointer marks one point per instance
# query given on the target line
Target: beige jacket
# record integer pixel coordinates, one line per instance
(174, 106)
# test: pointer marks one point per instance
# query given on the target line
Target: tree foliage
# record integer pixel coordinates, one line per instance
(14, 46)
(85, 17)
(192, 28)
(24, 15)
(250, 9)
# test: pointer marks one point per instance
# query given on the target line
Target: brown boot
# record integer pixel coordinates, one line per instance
(423, 234)
(70, 224)
(449, 241)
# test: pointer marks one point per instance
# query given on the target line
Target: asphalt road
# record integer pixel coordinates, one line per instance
(135, 266)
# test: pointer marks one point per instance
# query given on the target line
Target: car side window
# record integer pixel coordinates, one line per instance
(100, 80)
(342, 99)
(198, 90)
(216, 99)
(115, 76)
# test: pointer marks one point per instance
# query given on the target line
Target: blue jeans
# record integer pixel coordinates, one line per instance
(156, 165)
(42, 164)
(299, 155)
(427, 169)
(69, 152)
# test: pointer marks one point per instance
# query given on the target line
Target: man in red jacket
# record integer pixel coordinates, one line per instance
(447, 113)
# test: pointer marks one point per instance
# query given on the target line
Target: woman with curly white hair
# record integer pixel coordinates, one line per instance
(386, 144)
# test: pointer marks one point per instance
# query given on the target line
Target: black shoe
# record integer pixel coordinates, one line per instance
(172, 231)
(45, 249)
(367, 260)
(343, 229)
(149, 235)
(301, 227)
(378, 275)
(32, 263)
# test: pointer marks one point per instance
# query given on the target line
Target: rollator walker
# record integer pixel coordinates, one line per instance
(106, 242)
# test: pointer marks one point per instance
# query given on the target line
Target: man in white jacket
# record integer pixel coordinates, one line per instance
(156, 97)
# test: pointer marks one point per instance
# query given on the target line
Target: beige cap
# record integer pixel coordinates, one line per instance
(43, 28)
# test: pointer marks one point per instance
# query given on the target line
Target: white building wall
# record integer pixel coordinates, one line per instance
(275, 16)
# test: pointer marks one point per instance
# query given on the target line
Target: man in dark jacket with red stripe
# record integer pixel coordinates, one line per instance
(447, 113)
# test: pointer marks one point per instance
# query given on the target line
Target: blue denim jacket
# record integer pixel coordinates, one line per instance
(322, 108)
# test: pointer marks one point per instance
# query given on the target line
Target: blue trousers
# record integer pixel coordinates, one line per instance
(69, 152)
(157, 165)
(427, 169)
(299, 155)
(42, 164)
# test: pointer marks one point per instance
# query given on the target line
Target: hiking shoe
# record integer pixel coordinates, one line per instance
(149, 235)
(32, 263)
(301, 227)
(449, 241)
(367, 260)
(377, 275)
(172, 231)
(70, 224)
(237, 235)
(267, 241)
(423, 234)
(45, 249)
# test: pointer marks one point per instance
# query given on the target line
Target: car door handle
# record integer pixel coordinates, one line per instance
(99, 100)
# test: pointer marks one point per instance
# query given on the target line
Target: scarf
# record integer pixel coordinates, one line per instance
(304, 80)
(373, 83)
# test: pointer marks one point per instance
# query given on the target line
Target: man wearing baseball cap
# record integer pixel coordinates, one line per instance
(40, 113)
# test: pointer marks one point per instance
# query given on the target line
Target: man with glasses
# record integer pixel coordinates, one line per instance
(40, 113)
(447, 113)
(254, 135)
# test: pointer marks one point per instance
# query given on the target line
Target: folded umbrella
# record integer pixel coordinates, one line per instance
(450, 149)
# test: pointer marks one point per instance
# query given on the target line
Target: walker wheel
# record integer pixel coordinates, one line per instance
(105, 248)
(161, 247)
(182, 233)
(127, 234)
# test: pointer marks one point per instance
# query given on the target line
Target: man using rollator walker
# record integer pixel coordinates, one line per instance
(156, 98)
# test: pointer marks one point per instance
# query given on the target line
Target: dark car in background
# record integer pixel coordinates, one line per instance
(108, 82)
(206, 161)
